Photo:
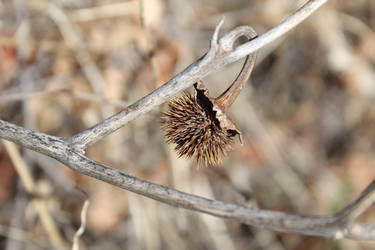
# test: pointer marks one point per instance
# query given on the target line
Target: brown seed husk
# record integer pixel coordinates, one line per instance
(198, 127)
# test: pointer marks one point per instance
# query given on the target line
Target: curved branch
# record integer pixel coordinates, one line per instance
(226, 99)
(220, 54)
(335, 226)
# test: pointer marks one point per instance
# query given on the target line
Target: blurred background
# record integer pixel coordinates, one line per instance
(307, 116)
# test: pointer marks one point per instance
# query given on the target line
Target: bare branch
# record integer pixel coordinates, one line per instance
(70, 151)
(325, 226)
(219, 55)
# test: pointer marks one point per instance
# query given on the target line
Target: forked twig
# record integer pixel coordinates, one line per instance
(70, 151)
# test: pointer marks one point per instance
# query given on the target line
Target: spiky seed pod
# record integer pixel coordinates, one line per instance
(198, 127)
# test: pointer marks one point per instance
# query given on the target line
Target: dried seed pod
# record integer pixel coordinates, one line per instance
(194, 125)
(197, 123)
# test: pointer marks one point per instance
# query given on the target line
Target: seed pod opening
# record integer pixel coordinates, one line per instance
(198, 127)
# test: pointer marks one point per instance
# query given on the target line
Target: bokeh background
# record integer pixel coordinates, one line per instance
(307, 116)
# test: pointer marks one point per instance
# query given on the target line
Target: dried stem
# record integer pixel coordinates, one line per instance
(70, 151)
(226, 99)
(82, 228)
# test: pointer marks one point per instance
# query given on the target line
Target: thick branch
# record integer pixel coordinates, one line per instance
(325, 226)
(213, 60)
